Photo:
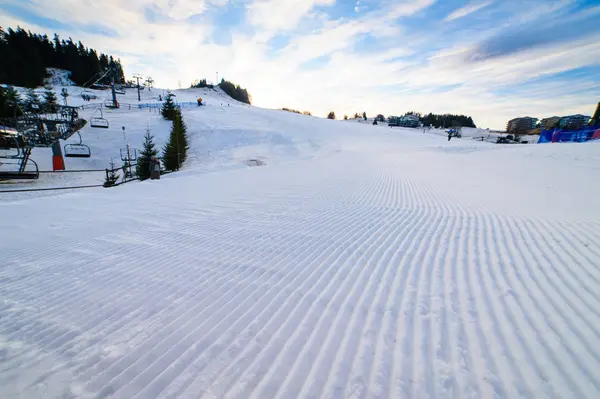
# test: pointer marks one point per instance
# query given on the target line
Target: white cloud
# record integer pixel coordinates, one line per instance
(276, 15)
(468, 9)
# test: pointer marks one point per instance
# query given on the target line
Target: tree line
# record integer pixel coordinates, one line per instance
(436, 120)
(231, 89)
(295, 111)
(331, 115)
(12, 104)
(235, 91)
(26, 55)
(199, 84)
(444, 120)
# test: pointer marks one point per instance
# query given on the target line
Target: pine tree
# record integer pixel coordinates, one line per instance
(169, 109)
(175, 151)
(112, 177)
(9, 103)
(32, 102)
(148, 152)
(365, 115)
(50, 104)
(184, 143)
(331, 115)
(345, 117)
(4, 110)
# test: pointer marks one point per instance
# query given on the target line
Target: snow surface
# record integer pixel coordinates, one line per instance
(360, 261)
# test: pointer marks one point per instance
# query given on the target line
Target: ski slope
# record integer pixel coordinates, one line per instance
(360, 262)
(224, 134)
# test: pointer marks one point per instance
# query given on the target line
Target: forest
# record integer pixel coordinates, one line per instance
(26, 55)
(444, 120)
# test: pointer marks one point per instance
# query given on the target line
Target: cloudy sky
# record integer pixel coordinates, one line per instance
(492, 59)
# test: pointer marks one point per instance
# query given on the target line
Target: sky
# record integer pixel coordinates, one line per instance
(491, 59)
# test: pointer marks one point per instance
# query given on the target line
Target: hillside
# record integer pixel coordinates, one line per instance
(360, 261)
(26, 56)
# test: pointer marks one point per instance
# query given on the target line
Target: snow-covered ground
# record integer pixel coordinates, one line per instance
(361, 261)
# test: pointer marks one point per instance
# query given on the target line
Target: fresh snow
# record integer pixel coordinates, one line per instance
(360, 261)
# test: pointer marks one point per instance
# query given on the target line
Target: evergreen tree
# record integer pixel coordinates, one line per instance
(356, 115)
(32, 102)
(57, 60)
(112, 177)
(235, 91)
(169, 109)
(365, 115)
(345, 117)
(9, 103)
(175, 151)
(331, 115)
(50, 104)
(148, 152)
(4, 110)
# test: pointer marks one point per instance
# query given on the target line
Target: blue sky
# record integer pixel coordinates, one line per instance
(492, 59)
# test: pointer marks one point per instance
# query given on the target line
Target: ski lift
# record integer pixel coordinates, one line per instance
(129, 154)
(18, 165)
(17, 169)
(99, 122)
(77, 150)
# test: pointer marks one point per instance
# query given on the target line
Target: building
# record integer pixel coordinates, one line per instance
(573, 122)
(521, 125)
(409, 121)
(549, 123)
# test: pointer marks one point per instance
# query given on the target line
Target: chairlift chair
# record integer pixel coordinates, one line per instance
(128, 155)
(14, 169)
(99, 122)
(17, 165)
(77, 150)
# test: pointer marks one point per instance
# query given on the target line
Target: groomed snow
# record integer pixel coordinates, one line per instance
(361, 261)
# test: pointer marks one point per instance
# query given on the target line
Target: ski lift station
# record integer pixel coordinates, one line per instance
(21, 134)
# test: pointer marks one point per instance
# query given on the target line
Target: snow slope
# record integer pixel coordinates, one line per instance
(359, 262)
(223, 134)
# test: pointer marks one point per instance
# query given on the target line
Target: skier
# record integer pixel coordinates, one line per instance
(449, 135)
